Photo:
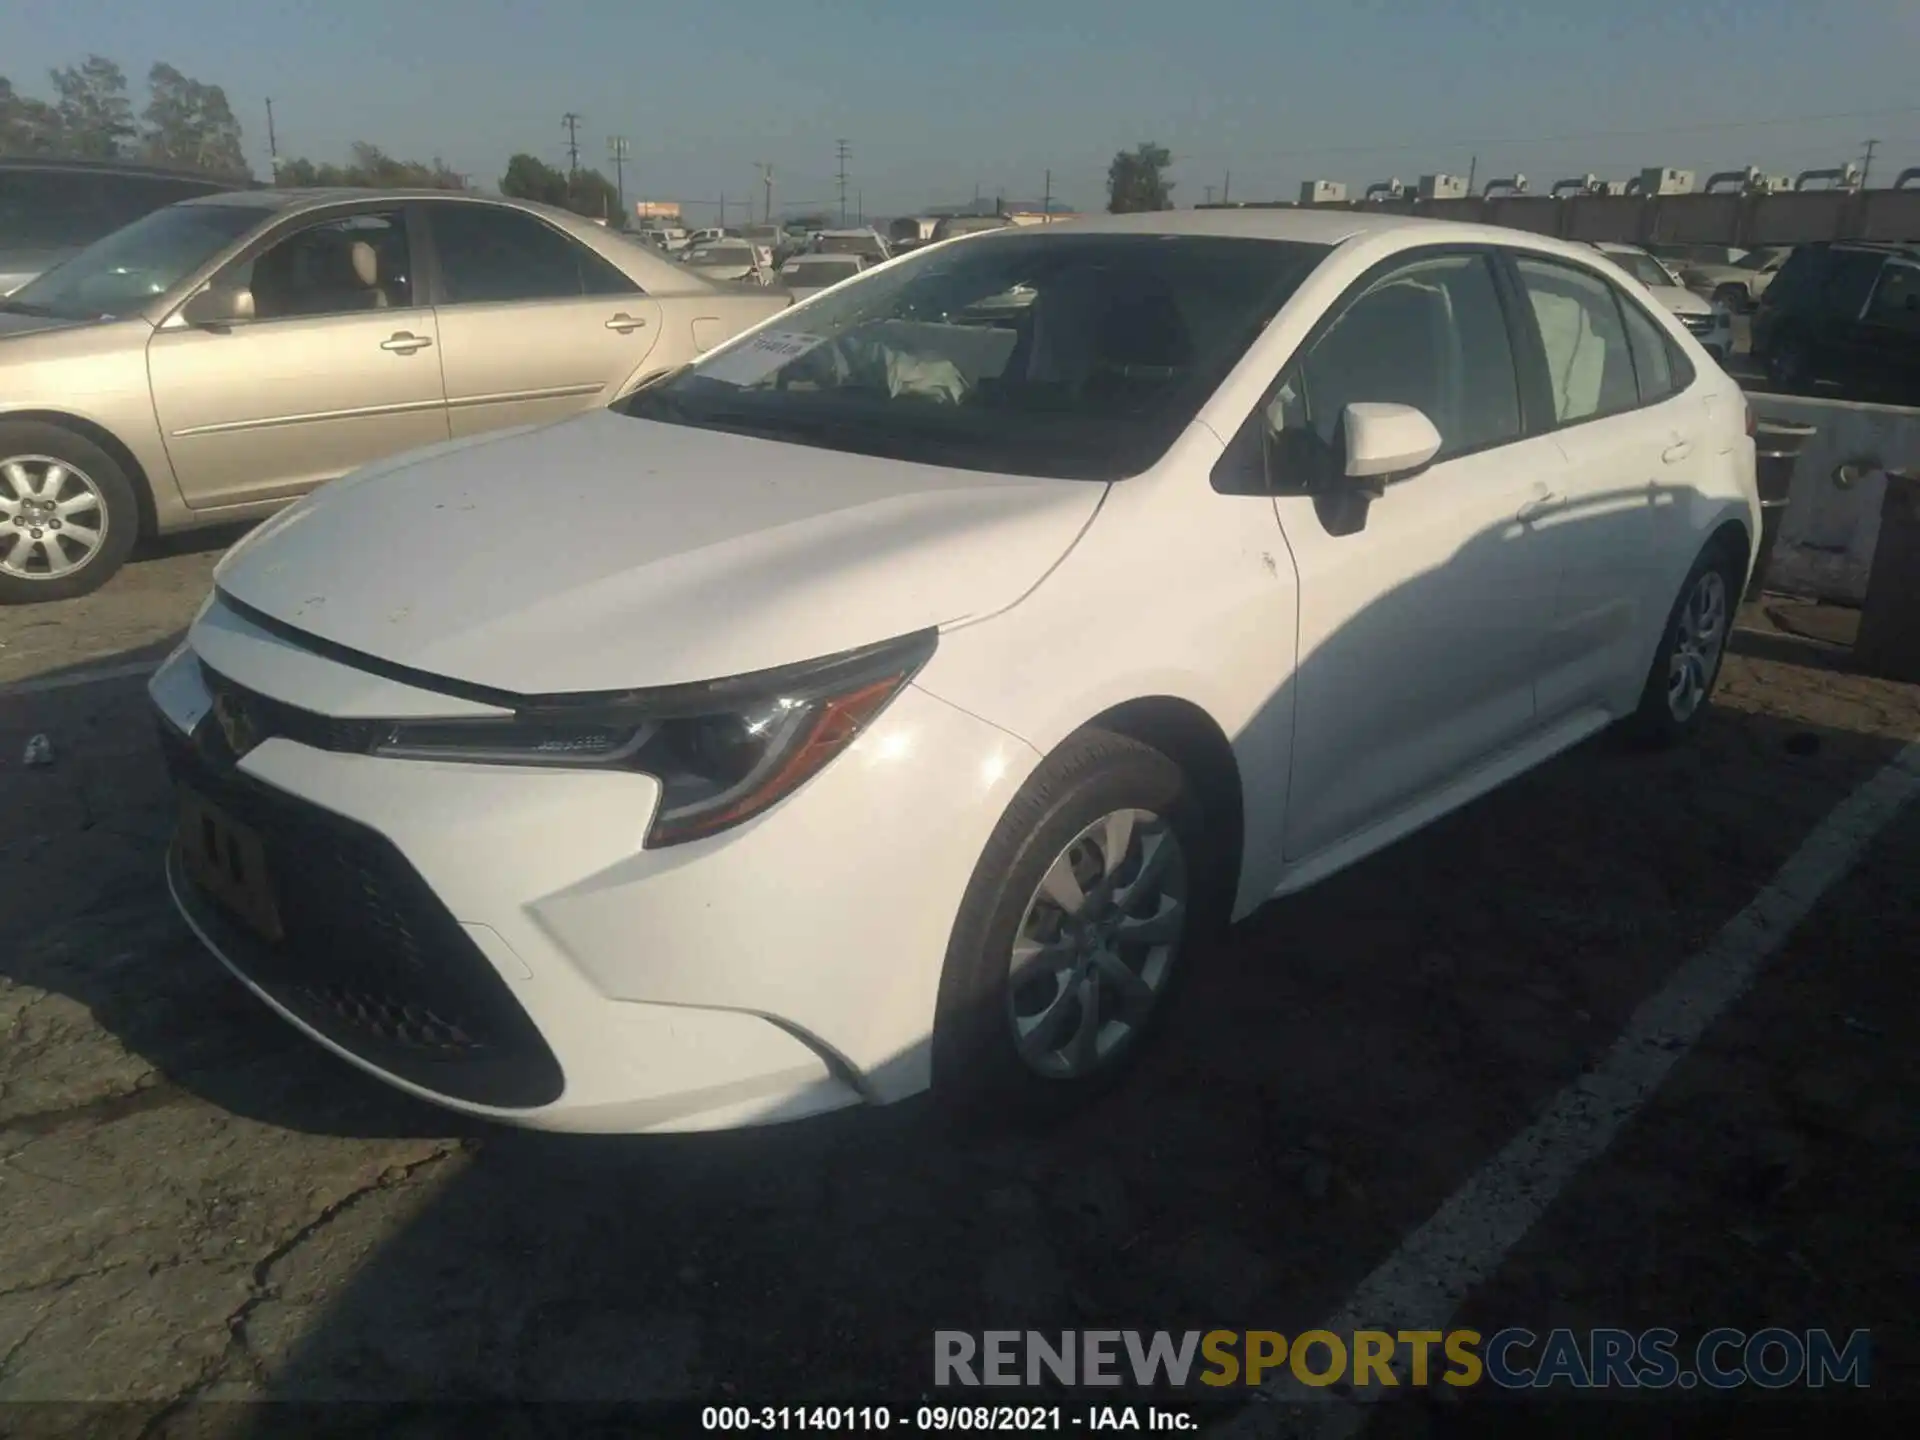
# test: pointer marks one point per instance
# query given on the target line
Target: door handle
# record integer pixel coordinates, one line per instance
(626, 324)
(1677, 451)
(405, 344)
(1542, 504)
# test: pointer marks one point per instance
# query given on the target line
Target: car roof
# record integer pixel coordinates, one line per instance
(317, 198)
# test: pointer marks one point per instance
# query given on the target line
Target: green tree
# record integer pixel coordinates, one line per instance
(529, 177)
(27, 126)
(369, 168)
(591, 193)
(96, 117)
(191, 125)
(1137, 180)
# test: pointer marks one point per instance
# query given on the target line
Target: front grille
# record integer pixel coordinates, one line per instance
(370, 957)
(1699, 324)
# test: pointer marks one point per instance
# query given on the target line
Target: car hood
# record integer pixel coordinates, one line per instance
(1715, 274)
(1679, 301)
(607, 553)
(12, 324)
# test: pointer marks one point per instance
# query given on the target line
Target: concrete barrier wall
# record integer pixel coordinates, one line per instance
(1826, 540)
(1723, 219)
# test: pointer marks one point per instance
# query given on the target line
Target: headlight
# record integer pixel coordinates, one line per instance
(723, 751)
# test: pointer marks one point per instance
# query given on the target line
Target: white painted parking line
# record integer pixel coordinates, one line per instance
(127, 671)
(1422, 1284)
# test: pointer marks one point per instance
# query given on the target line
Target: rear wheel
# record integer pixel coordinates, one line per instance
(1787, 368)
(1687, 664)
(1070, 940)
(67, 513)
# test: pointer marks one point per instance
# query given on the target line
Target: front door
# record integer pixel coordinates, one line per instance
(533, 324)
(1884, 343)
(337, 368)
(1419, 625)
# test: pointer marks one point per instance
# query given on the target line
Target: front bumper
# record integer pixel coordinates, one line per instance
(497, 940)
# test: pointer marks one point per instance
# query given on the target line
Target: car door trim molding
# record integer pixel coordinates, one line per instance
(358, 412)
(505, 397)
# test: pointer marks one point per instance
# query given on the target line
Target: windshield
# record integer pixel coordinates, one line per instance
(1757, 259)
(722, 255)
(820, 272)
(848, 245)
(1079, 356)
(1644, 268)
(132, 265)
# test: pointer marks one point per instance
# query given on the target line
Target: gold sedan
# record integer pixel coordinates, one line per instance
(223, 356)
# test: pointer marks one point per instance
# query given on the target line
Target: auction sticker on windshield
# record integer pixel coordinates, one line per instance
(760, 357)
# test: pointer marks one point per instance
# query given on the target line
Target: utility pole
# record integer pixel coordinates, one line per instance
(723, 212)
(1046, 202)
(766, 185)
(617, 152)
(1209, 190)
(841, 151)
(572, 123)
(273, 146)
(1866, 162)
(859, 207)
(1473, 168)
(1226, 189)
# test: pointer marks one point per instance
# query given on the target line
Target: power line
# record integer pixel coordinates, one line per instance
(572, 122)
(841, 152)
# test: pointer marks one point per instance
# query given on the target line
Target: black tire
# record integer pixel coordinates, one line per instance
(1656, 723)
(978, 1071)
(118, 515)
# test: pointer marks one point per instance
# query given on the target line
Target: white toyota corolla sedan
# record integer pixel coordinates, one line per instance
(895, 696)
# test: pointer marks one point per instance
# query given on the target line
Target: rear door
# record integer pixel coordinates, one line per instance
(1630, 463)
(533, 324)
(337, 368)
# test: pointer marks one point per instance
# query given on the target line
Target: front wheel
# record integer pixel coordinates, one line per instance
(67, 513)
(1687, 664)
(1072, 932)
(1734, 298)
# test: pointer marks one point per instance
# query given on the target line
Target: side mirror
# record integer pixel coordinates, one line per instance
(217, 305)
(1385, 443)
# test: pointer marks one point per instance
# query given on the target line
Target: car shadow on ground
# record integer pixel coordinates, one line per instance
(1334, 1068)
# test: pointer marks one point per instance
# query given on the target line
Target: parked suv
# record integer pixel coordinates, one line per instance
(53, 209)
(1740, 285)
(1847, 313)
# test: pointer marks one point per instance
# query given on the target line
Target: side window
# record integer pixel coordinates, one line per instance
(1589, 367)
(1849, 282)
(492, 254)
(338, 267)
(1432, 336)
(1896, 301)
(1652, 355)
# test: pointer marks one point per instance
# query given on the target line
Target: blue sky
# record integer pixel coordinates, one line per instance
(936, 97)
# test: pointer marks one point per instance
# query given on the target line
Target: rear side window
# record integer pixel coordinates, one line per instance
(490, 254)
(1590, 368)
(1849, 281)
(1897, 300)
(1652, 354)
